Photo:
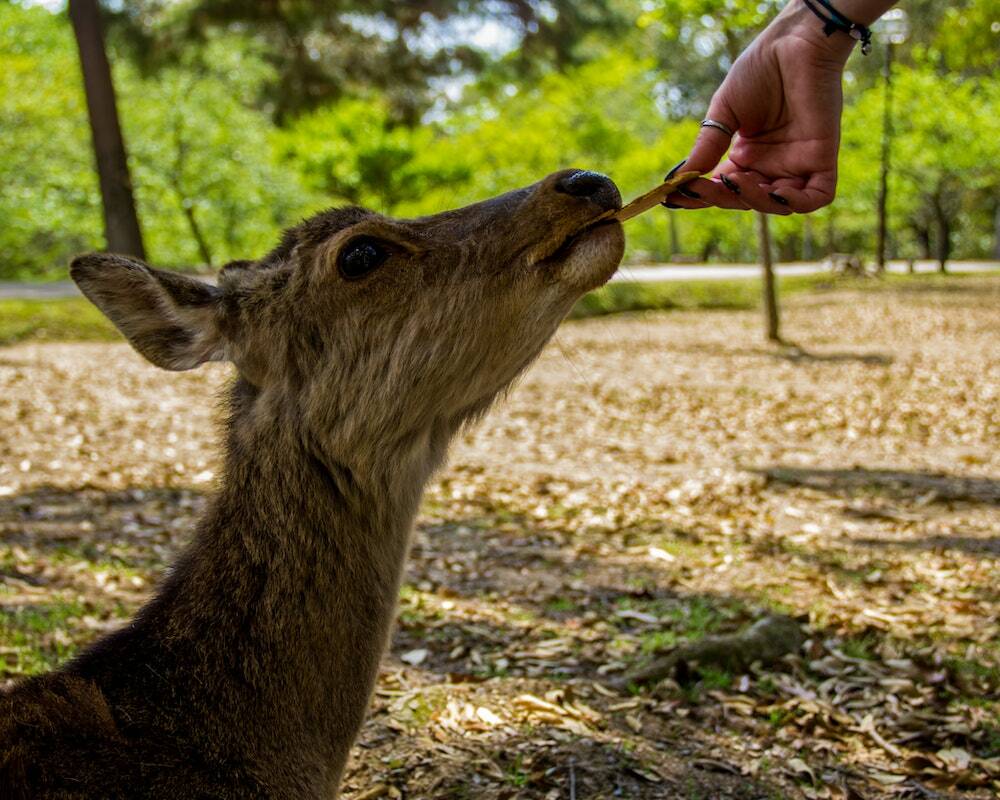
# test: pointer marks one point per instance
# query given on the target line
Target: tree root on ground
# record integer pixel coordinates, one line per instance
(766, 641)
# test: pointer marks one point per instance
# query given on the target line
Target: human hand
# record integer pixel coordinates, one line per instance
(783, 97)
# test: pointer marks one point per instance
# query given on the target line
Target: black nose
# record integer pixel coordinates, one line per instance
(593, 186)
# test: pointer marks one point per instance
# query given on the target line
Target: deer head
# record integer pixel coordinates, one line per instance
(374, 332)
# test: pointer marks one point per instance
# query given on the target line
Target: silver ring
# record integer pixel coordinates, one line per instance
(713, 123)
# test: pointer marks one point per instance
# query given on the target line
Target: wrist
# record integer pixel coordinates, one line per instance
(863, 12)
(798, 21)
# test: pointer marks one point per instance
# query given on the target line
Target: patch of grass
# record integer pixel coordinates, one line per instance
(741, 294)
(516, 774)
(690, 618)
(715, 678)
(969, 670)
(560, 605)
(424, 706)
(862, 647)
(72, 319)
(778, 717)
(116, 560)
(990, 747)
(699, 617)
(657, 641)
(39, 635)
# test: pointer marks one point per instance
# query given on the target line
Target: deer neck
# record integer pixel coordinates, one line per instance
(317, 546)
(276, 616)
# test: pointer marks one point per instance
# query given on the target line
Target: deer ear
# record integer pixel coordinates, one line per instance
(171, 319)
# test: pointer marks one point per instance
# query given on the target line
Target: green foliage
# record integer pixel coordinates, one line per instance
(54, 321)
(602, 116)
(960, 38)
(944, 167)
(696, 41)
(217, 179)
(208, 187)
(48, 201)
(326, 51)
(353, 151)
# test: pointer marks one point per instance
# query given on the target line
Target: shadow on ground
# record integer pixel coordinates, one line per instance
(928, 487)
(795, 354)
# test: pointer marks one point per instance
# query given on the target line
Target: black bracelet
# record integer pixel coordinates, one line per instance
(838, 22)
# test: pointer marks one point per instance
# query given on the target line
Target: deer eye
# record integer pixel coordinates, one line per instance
(360, 257)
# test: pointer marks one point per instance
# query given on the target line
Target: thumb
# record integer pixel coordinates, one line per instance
(712, 143)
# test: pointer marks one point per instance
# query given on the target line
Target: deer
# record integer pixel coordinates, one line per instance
(361, 344)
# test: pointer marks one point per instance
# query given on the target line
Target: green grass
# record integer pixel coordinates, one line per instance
(863, 647)
(743, 294)
(38, 635)
(73, 319)
(616, 298)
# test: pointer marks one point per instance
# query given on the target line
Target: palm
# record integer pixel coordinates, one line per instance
(785, 99)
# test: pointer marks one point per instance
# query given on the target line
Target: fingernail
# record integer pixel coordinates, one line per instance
(674, 171)
(729, 184)
(688, 192)
(671, 206)
(777, 198)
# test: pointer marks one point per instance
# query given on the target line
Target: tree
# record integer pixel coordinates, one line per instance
(208, 183)
(353, 151)
(324, 51)
(696, 41)
(121, 223)
(942, 184)
(50, 203)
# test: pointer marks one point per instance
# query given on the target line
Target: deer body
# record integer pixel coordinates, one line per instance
(249, 672)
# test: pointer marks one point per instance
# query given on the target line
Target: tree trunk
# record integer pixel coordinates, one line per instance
(187, 203)
(831, 233)
(942, 229)
(808, 250)
(772, 319)
(199, 237)
(923, 234)
(121, 224)
(943, 241)
(675, 242)
(881, 244)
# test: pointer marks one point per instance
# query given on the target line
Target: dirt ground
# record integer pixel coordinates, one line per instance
(654, 479)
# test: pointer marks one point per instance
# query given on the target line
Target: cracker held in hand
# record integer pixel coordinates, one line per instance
(651, 199)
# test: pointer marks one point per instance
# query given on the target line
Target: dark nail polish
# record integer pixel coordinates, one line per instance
(728, 183)
(691, 193)
(777, 198)
(674, 171)
(671, 206)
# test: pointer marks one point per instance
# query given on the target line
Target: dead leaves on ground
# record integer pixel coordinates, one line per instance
(652, 481)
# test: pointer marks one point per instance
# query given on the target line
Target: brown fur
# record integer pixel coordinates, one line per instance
(249, 672)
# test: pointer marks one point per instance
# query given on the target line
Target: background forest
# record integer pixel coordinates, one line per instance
(240, 118)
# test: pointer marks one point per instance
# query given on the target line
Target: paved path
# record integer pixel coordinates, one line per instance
(633, 273)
